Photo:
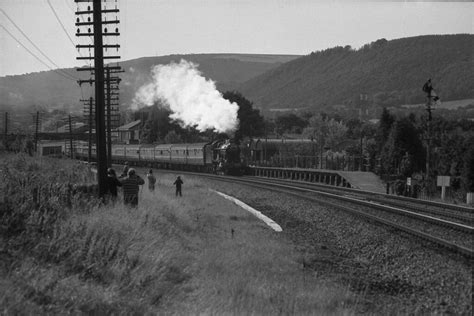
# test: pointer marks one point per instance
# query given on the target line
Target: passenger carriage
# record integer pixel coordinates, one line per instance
(196, 157)
(162, 155)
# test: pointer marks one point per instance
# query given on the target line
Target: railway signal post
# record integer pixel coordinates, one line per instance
(431, 96)
(428, 137)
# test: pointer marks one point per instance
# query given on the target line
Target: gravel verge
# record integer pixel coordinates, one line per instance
(389, 270)
(458, 237)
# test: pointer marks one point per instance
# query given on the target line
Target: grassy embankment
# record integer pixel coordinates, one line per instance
(63, 253)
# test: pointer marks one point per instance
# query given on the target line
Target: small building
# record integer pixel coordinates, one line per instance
(51, 148)
(129, 133)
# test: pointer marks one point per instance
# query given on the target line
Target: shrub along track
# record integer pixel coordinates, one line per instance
(392, 272)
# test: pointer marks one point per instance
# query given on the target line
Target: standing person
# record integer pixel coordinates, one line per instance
(112, 183)
(151, 180)
(178, 184)
(125, 170)
(131, 188)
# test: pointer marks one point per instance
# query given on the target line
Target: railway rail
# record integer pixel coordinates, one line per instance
(461, 214)
(453, 236)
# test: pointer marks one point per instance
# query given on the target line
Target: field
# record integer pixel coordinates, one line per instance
(64, 252)
(449, 105)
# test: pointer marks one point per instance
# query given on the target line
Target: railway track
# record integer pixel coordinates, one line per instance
(453, 213)
(454, 236)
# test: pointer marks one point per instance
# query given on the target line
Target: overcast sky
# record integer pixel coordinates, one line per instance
(163, 27)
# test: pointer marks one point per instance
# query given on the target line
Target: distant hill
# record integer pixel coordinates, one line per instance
(47, 90)
(387, 72)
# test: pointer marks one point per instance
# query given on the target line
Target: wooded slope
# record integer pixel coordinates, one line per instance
(389, 72)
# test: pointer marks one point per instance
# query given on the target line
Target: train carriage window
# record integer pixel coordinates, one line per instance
(187, 152)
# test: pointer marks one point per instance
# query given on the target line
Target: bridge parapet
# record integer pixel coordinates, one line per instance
(349, 179)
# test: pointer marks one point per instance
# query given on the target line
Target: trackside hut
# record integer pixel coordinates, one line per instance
(51, 148)
(129, 133)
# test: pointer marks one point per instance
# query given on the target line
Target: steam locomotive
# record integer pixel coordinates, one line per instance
(220, 156)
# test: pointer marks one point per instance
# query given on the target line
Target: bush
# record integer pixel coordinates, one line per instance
(468, 171)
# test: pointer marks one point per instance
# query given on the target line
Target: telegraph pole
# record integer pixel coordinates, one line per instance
(36, 131)
(70, 139)
(99, 98)
(98, 69)
(88, 111)
(109, 136)
(89, 151)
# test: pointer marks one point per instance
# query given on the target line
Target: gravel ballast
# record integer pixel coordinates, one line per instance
(390, 271)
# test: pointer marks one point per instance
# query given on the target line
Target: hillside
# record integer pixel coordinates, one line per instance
(48, 90)
(388, 72)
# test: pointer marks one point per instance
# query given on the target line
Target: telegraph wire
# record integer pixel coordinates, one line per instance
(82, 19)
(69, 6)
(34, 55)
(64, 29)
(62, 25)
(32, 43)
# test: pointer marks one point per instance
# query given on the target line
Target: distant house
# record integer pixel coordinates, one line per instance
(129, 133)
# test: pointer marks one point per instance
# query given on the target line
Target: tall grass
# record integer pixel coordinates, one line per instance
(65, 252)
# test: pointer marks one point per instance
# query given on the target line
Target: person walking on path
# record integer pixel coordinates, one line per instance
(178, 184)
(131, 188)
(112, 183)
(151, 180)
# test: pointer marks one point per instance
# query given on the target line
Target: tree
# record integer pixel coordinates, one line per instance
(468, 171)
(291, 123)
(251, 123)
(157, 123)
(150, 131)
(326, 132)
(385, 125)
(172, 138)
(386, 122)
(336, 132)
(403, 151)
(353, 127)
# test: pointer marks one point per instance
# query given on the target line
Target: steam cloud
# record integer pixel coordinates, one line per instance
(193, 100)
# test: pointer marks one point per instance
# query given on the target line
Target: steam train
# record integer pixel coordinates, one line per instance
(220, 156)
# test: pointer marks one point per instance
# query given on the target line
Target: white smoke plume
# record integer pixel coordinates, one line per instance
(193, 100)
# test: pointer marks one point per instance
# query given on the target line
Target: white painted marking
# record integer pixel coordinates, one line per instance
(259, 215)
